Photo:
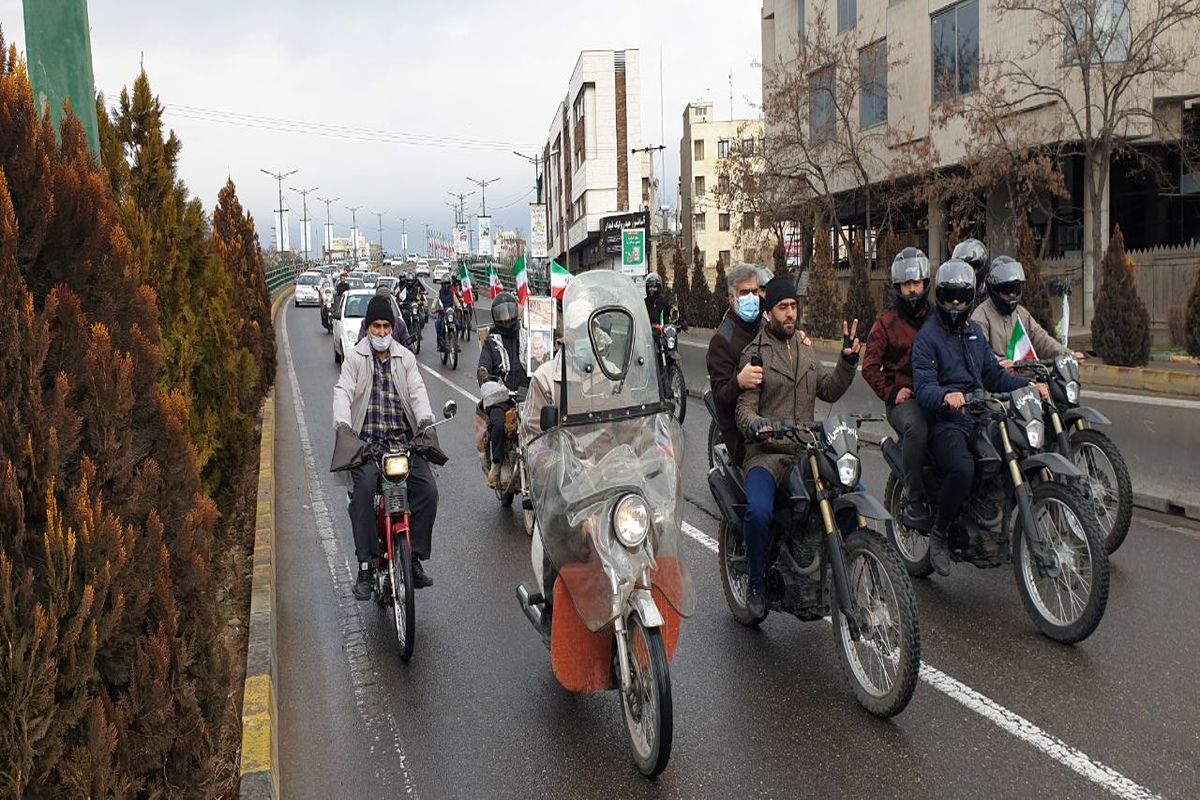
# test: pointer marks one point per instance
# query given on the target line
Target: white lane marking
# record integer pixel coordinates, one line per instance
(363, 675)
(430, 371)
(1165, 402)
(1008, 721)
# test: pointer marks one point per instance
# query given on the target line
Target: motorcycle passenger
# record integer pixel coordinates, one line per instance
(764, 277)
(399, 332)
(792, 380)
(951, 358)
(887, 368)
(999, 315)
(381, 397)
(343, 286)
(973, 252)
(500, 360)
(443, 300)
(658, 307)
(738, 327)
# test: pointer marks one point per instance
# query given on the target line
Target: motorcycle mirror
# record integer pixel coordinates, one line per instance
(450, 409)
(548, 419)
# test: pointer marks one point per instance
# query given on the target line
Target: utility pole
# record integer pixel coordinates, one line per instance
(380, 214)
(328, 226)
(354, 231)
(404, 237)
(460, 215)
(537, 173)
(426, 224)
(650, 150)
(305, 233)
(483, 188)
(279, 176)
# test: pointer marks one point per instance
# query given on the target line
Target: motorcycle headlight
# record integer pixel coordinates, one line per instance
(670, 342)
(631, 520)
(395, 467)
(1072, 392)
(1035, 432)
(849, 467)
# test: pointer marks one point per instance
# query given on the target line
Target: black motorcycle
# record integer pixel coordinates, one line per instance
(822, 560)
(1106, 477)
(411, 309)
(1022, 508)
(450, 346)
(327, 309)
(670, 367)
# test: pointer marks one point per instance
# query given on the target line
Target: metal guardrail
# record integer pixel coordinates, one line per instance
(537, 274)
(281, 276)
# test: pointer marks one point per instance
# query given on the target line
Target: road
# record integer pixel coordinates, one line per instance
(758, 713)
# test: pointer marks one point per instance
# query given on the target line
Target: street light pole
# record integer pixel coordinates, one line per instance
(537, 173)
(460, 215)
(328, 226)
(305, 233)
(380, 215)
(354, 231)
(404, 237)
(279, 176)
(427, 226)
(483, 188)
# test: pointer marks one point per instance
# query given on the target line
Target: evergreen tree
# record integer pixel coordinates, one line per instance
(1036, 294)
(1121, 325)
(779, 258)
(720, 292)
(700, 308)
(823, 305)
(680, 284)
(1192, 320)
(860, 303)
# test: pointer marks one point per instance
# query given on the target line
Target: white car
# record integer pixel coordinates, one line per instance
(308, 291)
(441, 271)
(422, 267)
(348, 319)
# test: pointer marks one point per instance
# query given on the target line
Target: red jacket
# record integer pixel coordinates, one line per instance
(887, 365)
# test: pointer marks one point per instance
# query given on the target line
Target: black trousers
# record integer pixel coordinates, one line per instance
(422, 502)
(956, 465)
(496, 435)
(909, 421)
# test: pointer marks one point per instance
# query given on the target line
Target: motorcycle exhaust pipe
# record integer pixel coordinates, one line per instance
(531, 604)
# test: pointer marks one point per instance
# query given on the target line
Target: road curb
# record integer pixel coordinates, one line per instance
(259, 767)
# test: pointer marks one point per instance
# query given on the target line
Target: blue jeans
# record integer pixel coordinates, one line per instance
(756, 526)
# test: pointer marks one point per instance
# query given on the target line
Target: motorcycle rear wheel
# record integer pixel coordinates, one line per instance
(883, 666)
(731, 553)
(911, 546)
(714, 438)
(404, 609)
(1107, 475)
(417, 343)
(647, 712)
(453, 343)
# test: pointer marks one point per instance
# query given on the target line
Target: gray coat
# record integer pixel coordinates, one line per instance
(353, 391)
(793, 379)
(998, 329)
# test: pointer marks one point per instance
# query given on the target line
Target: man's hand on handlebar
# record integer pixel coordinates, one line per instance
(956, 400)
(1044, 391)
(760, 429)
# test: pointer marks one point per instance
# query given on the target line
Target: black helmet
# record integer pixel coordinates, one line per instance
(910, 264)
(653, 280)
(954, 292)
(1005, 280)
(505, 311)
(972, 252)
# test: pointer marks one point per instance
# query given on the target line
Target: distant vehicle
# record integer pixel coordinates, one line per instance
(388, 281)
(422, 267)
(348, 319)
(354, 281)
(441, 271)
(308, 292)
(370, 279)
(410, 258)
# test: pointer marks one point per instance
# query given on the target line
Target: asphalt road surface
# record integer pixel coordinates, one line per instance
(1001, 711)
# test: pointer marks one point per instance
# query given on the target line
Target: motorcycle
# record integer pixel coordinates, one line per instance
(606, 481)
(514, 475)
(1106, 476)
(715, 437)
(822, 560)
(327, 308)
(1022, 508)
(467, 329)
(393, 579)
(670, 367)
(412, 320)
(450, 346)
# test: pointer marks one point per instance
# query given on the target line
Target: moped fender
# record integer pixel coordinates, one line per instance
(643, 603)
(863, 504)
(1054, 462)
(1085, 413)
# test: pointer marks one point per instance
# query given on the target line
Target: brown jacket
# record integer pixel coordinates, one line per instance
(793, 379)
(998, 329)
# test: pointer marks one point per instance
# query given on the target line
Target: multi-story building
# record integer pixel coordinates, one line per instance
(591, 169)
(705, 216)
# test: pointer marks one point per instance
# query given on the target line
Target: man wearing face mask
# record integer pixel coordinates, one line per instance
(791, 381)
(887, 368)
(500, 360)
(739, 325)
(381, 397)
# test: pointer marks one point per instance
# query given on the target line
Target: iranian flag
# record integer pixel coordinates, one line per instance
(558, 279)
(1020, 348)
(494, 281)
(522, 280)
(464, 276)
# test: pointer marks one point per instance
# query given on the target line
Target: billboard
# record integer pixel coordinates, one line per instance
(633, 251)
(305, 236)
(485, 236)
(537, 230)
(404, 243)
(328, 237)
(462, 245)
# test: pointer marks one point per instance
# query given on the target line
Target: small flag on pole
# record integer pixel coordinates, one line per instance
(464, 276)
(521, 279)
(1020, 348)
(558, 279)
(494, 281)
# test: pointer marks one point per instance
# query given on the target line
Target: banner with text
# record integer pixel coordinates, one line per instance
(462, 242)
(537, 230)
(485, 236)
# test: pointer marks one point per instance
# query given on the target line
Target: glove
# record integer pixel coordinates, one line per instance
(424, 423)
(342, 426)
(759, 426)
(482, 375)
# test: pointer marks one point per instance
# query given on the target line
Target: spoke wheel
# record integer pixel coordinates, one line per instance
(404, 609)
(647, 706)
(678, 389)
(453, 351)
(736, 581)
(1107, 478)
(1065, 597)
(883, 665)
(714, 438)
(912, 546)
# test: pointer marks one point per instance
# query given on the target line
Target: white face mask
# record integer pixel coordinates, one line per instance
(381, 343)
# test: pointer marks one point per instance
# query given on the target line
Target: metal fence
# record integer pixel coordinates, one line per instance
(537, 274)
(278, 277)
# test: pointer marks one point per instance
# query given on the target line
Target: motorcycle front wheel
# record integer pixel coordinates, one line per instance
(647, 706)
(404, 609)
(677, 389)
(1107, 477)
(454, 352)
(1066, 596)
(884, 663)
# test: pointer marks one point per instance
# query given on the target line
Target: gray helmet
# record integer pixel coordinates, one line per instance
(1005, 280)
(910, 264)
(764, 275)
(972, 252)
(954, 292)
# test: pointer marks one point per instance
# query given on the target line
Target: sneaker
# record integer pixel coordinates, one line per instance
(493, 476)
(916, 516)
(420, 579)
(939, 552)
(365, 583)
(756, 599)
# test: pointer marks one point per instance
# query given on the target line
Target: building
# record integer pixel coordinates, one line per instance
(343, 249)
(591, 169)
(705, 219)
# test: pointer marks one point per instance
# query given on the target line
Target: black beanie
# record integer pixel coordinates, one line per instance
(779, 288)
(380, 308)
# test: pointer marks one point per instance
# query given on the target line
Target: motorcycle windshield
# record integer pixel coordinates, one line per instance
(578, 475)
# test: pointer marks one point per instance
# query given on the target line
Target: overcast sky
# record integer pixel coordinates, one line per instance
(460, 84)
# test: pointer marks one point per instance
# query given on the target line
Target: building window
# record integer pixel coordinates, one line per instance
(698, 222)
(723, 185)
(956, 51)
(747, 220)
(722, 148)
(847, 14)
(725, 256)
(821, 114)
(698, 187)
(1108, 37)
(748, 147)
(698, 150)
(646, 191)
(702, 260)
(701, 112)
(723, 223)
(872, 65)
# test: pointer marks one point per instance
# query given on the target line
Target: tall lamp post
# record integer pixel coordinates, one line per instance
(328, 226)
(279, 223)
(305, 233)
(354, 231)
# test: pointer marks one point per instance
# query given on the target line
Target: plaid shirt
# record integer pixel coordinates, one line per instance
(385, 421)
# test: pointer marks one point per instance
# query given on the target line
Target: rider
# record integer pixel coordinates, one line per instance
(887, 367)
(658, 307)
(973, 252)
(951, 359)
(500, 360)
(739, 326)
(443, 300)
(381, 398)
(792, 379)
(998, 317)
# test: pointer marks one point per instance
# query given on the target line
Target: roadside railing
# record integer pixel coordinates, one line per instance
(280, 276)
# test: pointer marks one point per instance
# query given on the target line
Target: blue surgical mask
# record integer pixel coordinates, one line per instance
(748, 307)
(381, 343)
